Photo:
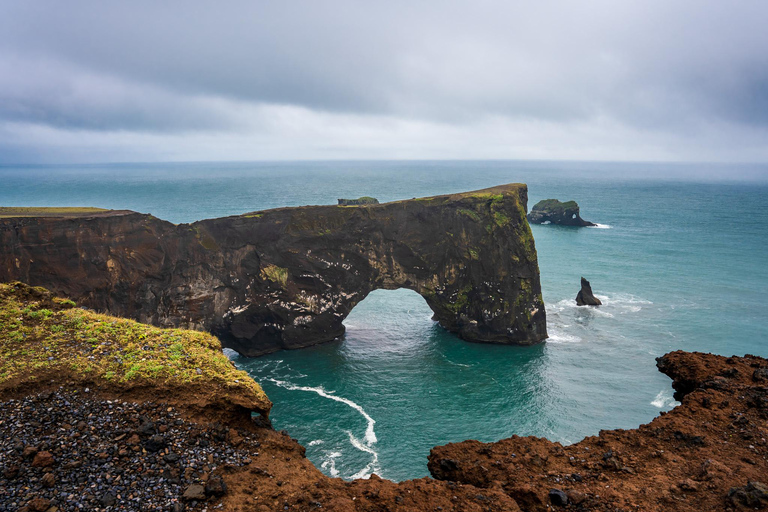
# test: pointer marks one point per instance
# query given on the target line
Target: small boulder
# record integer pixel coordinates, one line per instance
(155, 443)
(107, 500)
(585, 296)
(215, 486)
(558, 498)
(39, 505)
(48, 480)
(753, 495)
(194, 492)
(43, 460)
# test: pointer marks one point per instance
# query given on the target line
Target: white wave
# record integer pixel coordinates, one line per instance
(364, 447)
(556, 336)
(600, 226)
(329, 463)
(370, 433)
(664, 399)
(316, 442)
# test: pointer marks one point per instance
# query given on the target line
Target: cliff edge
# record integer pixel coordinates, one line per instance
(287, 278)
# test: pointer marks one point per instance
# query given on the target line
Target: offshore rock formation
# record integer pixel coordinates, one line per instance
(360, 201)
(709, 453)
(585, 297)
(552, 211)
(286, 278)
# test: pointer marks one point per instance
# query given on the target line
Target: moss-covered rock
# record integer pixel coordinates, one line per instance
(45, 339)
(552, 211)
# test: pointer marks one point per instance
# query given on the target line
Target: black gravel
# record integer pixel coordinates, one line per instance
(63, 451)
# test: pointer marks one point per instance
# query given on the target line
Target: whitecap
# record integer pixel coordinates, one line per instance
(557, 336)
(329, 463)
(600, 226)
(364, 447)
(664, 399)
(316, 442)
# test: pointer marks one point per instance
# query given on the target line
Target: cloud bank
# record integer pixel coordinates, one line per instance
(193, 80)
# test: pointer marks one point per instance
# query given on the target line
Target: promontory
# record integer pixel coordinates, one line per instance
(287, 278)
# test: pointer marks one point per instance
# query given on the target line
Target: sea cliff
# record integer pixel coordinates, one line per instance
(287, 278)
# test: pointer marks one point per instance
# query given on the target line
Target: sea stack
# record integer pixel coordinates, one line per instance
(552, 211)
(585, 296)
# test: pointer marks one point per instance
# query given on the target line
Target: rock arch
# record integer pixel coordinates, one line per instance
(287, 278)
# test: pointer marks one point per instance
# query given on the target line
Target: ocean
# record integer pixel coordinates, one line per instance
(680, 261)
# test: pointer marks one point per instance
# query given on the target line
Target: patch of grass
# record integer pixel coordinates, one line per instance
(39, 335)
(40, 211)
(275, 274)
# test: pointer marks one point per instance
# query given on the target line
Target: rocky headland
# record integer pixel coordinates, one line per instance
(552, 211)
(287, 278)
(102, 413)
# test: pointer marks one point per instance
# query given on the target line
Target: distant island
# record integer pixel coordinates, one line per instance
(360, 201)
(552, 211)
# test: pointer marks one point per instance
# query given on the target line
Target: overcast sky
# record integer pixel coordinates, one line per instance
(105, 81)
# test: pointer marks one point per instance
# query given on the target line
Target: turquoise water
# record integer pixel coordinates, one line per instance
(680, 263)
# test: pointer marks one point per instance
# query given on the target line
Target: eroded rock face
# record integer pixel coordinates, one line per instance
(709, 453)
(286, 278)
(552, 211)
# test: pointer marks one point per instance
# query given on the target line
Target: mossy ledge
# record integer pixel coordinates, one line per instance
(46, 342)
(286, 278)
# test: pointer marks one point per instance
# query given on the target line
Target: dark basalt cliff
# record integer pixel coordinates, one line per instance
(552, 211)
(286, 278)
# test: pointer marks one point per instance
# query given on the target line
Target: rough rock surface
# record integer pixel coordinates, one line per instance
(552, 211)
(360, 201)
(286, 278)
(709, 453)
(585, 297)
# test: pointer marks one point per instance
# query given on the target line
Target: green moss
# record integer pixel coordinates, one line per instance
(470, 213)
(252, 215)
(474, 254)
(461, 301)
(275, 274)
(555, 207)
(38, 337)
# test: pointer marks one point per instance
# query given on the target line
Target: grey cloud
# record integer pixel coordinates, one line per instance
(656, 66)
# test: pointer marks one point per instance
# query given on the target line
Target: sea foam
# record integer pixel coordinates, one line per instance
(370, 433)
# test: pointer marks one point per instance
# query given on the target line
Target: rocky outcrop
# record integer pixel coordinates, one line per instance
(360, 201)
(552, 211)
(287, 278)
(709, 453)
(585, 297)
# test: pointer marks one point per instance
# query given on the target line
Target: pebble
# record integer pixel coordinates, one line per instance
(70, 452)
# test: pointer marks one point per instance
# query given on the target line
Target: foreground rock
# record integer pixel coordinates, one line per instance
(552, 211)
(287, 278)
(710, 453)
(585, 297)
(78, 432)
